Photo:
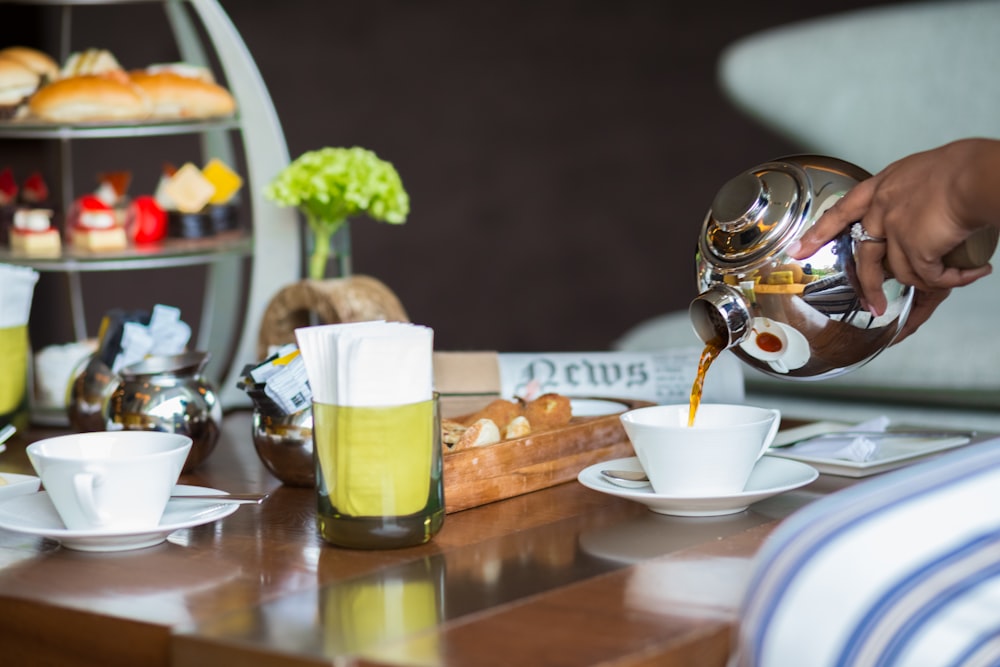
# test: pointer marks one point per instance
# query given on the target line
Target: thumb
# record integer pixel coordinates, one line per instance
(851, 208)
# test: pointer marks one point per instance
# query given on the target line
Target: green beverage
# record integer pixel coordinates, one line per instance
(386, 617)
(378, 474)
(14, 375)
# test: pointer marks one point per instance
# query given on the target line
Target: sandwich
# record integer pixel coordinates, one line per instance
(37, 61)
(173, 94)
(17, 83)
(88, 98)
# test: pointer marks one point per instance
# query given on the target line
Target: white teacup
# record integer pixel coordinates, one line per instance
(110, 480)
(714, 457)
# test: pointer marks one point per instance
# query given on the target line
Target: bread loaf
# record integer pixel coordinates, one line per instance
(17, 82)
(88, 98)
(172, 95)
(37, 61)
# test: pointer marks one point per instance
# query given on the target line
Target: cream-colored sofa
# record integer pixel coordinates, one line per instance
(872, 86)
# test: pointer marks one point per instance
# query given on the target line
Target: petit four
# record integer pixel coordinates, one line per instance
(33, 234)
(94, 227)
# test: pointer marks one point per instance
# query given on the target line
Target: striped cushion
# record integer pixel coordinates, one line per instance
(903, 569)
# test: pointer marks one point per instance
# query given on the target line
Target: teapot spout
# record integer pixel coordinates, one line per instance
(720, 316)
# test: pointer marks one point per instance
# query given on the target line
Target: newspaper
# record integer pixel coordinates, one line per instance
(664, 376)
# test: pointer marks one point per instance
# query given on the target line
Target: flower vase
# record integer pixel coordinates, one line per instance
(333, 259)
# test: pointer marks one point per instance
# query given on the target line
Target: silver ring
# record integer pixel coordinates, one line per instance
(859, 234)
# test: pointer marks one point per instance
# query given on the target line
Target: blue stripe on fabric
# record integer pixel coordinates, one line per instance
(865, 637)
(980, 651)
(803, 534)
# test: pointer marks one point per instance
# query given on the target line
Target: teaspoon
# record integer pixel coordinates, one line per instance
(630, 479)
(238, 498)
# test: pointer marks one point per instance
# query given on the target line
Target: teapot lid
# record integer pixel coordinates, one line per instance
(755, 214)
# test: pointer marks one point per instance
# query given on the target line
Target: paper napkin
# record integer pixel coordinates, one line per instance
(859, 448)
(17, 287)
(368, 363)
(373, 414)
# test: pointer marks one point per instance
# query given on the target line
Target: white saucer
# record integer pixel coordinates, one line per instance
(34, 514)
(596, 407)
(17, 485)
(770, 477)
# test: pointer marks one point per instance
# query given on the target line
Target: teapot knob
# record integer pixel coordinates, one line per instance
(739, 202)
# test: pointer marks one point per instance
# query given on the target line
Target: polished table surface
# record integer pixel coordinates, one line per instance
(563, 576)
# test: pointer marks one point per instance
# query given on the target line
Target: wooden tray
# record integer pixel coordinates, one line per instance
(481, 475)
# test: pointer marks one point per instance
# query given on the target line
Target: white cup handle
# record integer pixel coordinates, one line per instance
(775, 424)
(778, 366)
(84, 483)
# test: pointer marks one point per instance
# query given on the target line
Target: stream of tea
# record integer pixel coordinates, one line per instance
(712, 350)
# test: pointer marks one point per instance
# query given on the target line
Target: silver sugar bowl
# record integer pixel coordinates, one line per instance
(284, 444)
(168, 393)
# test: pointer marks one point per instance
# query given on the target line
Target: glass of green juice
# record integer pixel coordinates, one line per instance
(378, 474)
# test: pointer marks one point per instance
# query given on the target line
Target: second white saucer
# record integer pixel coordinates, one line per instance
(34, 514)
(770, 477)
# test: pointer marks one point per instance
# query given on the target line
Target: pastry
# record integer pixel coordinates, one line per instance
(517, 428)
(34, 190)
(147, 222)
(112, 189)
(37, 61)
(225, 181)
(172, 95)
(88, 98)
(189, 190)
(93, 226)
(33, 234)
(482, 432)
(93, 62)
(548, 411)
(17, 83)
(8, 187)
(499, 411)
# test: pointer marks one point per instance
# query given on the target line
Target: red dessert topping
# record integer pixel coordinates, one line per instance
(8, 187)
(35, 190)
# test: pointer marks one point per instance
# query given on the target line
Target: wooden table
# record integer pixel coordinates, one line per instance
(563, 576)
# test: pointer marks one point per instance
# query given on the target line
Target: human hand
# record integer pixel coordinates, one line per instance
(923, 206)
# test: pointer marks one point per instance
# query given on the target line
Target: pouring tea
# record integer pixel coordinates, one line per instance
(810, 308)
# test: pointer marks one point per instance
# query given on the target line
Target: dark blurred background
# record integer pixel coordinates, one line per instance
(559, 155)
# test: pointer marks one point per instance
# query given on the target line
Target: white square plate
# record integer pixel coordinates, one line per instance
(892, 453)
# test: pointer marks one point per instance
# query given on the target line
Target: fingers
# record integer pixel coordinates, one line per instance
(928, 275)
(871, 275)
(851, 208)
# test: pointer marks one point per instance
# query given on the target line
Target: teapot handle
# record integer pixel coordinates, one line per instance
(975, 251)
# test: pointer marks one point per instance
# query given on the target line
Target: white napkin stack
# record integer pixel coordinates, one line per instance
(368, 364)
(859, 448)
(17, 287)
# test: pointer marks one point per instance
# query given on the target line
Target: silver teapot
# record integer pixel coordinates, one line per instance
(168, 393)
(795, 319)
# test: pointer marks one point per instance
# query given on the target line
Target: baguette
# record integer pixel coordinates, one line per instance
(172, 95)
(88, 98)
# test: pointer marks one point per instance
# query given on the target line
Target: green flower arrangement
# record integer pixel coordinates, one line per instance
(330, 185)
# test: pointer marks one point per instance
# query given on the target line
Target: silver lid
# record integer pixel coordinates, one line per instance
(755, 214)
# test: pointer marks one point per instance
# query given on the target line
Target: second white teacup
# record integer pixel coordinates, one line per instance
(713, 457)
(110, 480)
